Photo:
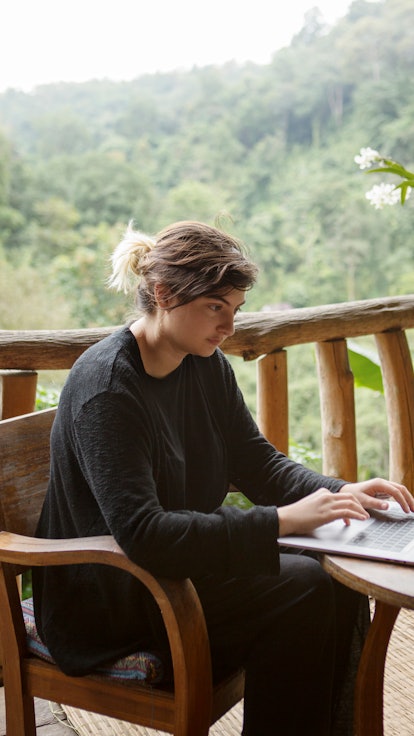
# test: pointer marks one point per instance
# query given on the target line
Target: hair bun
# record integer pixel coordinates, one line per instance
(127, 258)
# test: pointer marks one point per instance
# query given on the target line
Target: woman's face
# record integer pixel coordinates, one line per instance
(200, 326)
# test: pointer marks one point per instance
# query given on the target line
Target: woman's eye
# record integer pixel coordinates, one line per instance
(215, 307)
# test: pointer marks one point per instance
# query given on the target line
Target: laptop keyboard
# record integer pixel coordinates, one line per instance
(386, 535)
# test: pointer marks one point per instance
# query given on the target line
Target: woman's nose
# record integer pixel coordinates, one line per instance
(227, 325)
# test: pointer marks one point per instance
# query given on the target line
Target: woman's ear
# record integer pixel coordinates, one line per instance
(162, 296)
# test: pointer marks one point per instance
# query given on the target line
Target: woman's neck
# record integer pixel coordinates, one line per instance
(158, 358)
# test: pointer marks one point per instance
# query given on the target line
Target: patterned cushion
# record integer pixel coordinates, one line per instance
(143, 666)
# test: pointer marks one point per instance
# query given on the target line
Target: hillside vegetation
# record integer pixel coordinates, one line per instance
(265, 150)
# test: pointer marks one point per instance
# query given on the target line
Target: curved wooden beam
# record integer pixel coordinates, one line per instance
(177, 599)
(257, 333)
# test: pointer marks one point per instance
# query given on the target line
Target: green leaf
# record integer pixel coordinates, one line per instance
(238, 499)
(395, 169)
(404, 188)
(365, 366)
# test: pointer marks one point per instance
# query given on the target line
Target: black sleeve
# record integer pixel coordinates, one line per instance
(257, 468)
(116, 451)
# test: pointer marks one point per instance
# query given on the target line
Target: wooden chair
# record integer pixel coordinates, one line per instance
(186, 709)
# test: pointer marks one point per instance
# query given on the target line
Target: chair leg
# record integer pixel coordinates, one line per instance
(369, 689)
(20, 714)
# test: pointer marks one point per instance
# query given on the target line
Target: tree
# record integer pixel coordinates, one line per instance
(82, 277)
(29, 299)
(193, 200)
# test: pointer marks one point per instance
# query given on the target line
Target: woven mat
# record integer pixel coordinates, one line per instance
(91, 724)
(398, 697)
(399, 678)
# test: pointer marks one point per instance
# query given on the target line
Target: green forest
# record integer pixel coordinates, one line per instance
(266, 151)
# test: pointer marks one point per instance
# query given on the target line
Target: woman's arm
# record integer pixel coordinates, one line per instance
(117, 451)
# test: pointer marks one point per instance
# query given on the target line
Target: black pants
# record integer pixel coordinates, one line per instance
(292, 632)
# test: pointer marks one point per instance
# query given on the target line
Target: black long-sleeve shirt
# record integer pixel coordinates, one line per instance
(150, 461)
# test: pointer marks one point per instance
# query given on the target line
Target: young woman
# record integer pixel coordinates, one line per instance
(150, 432)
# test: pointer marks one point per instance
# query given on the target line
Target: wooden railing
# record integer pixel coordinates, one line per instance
(265, 337)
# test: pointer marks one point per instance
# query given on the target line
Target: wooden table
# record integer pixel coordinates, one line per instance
(392, 587)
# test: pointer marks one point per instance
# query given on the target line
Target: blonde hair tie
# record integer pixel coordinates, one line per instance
(127, 258)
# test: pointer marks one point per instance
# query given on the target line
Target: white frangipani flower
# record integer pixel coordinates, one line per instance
(383, 194)
(366, 157)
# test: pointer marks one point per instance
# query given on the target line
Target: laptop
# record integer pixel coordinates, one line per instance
(387, 535)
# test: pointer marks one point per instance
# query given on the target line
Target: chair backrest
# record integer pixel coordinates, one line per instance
(24, 469)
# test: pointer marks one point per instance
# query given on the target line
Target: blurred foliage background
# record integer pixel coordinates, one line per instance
(266, 150)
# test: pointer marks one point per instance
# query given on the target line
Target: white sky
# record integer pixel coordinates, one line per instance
(44, 41)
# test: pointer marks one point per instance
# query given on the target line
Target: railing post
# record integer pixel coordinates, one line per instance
(17, 396)
(398, 379)
(272, 399)
(336, 390)
(17, 392)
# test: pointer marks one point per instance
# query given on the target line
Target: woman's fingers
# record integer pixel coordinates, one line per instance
(374, 492)
(317, 509)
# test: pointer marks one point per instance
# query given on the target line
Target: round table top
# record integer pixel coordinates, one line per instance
(392, 583)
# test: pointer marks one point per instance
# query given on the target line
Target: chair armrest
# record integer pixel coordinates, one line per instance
(177, 599)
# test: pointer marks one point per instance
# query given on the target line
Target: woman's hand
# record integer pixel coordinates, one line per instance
(320, 508)
(372, 494)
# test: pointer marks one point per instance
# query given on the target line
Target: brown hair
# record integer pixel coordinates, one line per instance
(190, 258)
